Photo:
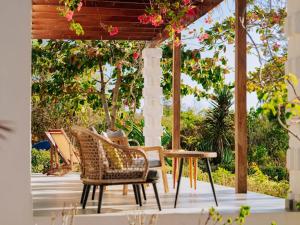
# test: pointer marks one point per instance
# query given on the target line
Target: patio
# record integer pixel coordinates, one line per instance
(52, 194)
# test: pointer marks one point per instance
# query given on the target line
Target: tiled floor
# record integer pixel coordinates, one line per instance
(52, 194)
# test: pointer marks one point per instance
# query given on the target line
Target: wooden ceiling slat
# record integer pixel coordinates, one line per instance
(45, 15)
(115, 4)
(65, 26)
(85, 23)
(91, 11)
(88, 37)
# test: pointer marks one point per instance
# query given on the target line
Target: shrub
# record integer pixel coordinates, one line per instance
(40, 161)
(276, 173)
(257, 181)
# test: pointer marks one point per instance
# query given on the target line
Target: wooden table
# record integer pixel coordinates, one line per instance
(192, 154)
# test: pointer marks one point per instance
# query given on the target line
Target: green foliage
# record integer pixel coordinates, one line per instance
(40, 161)
(268, 143)
(134, 131)
(218, 123)
(257, 181)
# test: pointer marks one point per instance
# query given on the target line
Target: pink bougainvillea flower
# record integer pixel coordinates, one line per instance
(203, 37)
(156, 20)
(79, 6)
(177, 42)
(144, 19)
(276, 47)
(276, 18)
(186, 2)
(113, 30)
(69, 15)
(208, 19)
(191, 12)
(136, 55)
(177, 28)
(164, 10)
(119, 66)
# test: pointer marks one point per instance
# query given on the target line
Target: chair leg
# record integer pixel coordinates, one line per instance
(83, 193)
(100, 198)
(165, 178)
(86, 196)
(94, 191)
(156, 196)
(211, 180)
(135, 194)
(125, 189)
(138, 190)
(144, 192)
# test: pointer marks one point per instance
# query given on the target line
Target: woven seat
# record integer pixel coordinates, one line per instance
(106, 163)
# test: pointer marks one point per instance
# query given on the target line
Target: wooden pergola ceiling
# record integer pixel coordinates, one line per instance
(48, 24)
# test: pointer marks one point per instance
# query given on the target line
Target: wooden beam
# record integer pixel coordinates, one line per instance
(176, 94)
(241, 144)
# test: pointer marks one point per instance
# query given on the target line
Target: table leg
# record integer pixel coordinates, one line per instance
(195, 172)
(178, 181)
(191, 171)
(211, 180)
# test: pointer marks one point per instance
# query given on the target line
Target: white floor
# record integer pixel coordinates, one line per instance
(52, 195)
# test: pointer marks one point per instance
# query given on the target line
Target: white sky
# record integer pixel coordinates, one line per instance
(225, 9)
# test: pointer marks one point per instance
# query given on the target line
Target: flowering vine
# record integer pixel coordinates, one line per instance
(171, 14)
(73, 6)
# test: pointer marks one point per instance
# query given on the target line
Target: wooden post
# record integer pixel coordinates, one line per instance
(176, 103)
(176, 94)
(240, 98)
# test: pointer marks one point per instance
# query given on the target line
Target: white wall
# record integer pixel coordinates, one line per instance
(15, 60)
(293, 66)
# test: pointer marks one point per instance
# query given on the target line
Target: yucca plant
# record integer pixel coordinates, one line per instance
(218, 122)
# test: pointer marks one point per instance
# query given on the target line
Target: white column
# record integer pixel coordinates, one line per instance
(15, 83)
(293, 66)
(152, 93)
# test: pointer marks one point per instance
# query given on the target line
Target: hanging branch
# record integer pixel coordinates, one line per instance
(115, 99)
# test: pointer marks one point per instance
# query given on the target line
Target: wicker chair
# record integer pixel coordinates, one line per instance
(105, 163)
(120, 138)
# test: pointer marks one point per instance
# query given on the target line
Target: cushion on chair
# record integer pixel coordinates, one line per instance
(113, 156)
(152, 175)
(114, 134)
(153, 163)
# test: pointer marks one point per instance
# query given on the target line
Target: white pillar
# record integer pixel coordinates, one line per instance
(293, 66)
(15, 83)
(152, 93)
